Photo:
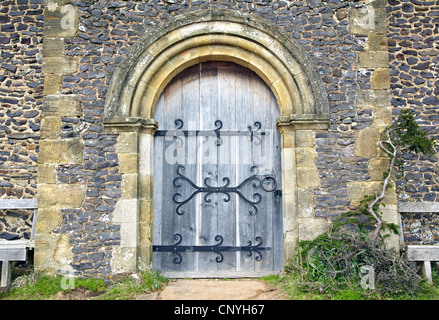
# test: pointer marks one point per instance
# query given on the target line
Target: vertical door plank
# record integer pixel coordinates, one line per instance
(171, 224)
(226, 169)
(207, 166)
(263, 226)
(158, 191)
(243, 166)
(190, 101)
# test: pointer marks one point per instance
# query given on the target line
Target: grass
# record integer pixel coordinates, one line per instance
(291, 285)
(39, 286)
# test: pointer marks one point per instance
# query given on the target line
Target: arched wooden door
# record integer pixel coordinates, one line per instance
(217, 175)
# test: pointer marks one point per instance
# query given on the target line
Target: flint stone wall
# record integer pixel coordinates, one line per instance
(83, 172)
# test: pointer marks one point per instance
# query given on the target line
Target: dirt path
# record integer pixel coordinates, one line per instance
(213, 289)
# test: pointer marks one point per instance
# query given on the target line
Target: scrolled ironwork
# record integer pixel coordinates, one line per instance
(258, 180)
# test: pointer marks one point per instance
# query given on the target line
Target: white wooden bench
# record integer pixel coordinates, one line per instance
(16, 250)
(422, 253)
(425, 254)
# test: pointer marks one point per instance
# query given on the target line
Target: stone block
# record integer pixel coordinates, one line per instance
(370, 59)
(48, 219)
(305, 138)
(357, 191)
(125, 211)
(124, 259)
(305, 203)
(52, 83)
(366, 142)
(128, 234)
(62, 65)
(288, 137)
(288, 158)
(146, 152)
(145, 237)
(368, 99)
(53, 47)
(127, 142)
(367, 19)
(390, 215)
(362, 19)
(60, 195)
(128, 163)
(46, 173)
(383, 117)
(377, 167)
(60, 20)
(61, 105)
(307, 178)
(61, 151)
(377, 42)
(50, 128)
(129, 186)
(43, 257)
(290, 245)
(146, 187)
(381, 79)
(144, 257)
(309, 228)
(63, 254)
(146, 211)
(305, 157)
(289, 208)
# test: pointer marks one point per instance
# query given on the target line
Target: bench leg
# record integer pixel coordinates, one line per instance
(6, 273)
(426, 271)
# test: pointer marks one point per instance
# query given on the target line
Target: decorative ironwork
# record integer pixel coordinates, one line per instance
(258, 180)
(253, 132)
(216, 248)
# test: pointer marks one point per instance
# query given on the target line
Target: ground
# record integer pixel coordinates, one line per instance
(202, 289)
(199, 289)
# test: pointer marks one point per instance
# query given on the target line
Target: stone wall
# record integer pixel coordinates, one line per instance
(85, 174)
(420, 228)
(413, 37)
(21, 98)
(347, 43)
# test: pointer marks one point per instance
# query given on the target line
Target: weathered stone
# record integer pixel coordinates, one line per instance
(59, 65)
(378, 59)
(381, 79)
(366, 142)
(61, 105)
(49, 195)
(61, 151)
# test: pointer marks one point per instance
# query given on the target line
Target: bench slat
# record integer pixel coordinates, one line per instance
(18, 203)
(13, 254)
(422, 253)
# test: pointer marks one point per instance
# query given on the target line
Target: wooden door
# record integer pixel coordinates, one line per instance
(217, 186)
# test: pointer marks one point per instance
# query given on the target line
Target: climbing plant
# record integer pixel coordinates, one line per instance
(403, 135)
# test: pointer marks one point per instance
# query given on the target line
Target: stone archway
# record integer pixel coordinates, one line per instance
(162, 53)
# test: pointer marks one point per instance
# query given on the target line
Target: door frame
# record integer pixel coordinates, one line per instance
(162, 53)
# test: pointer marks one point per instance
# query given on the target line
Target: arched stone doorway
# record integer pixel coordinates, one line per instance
(161, 54)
